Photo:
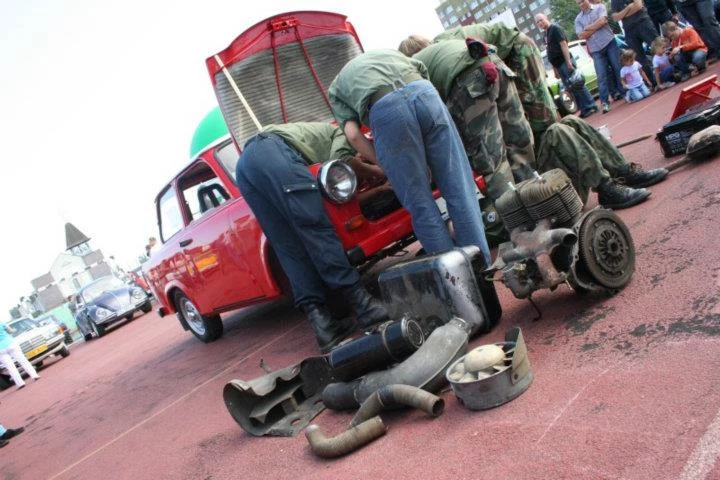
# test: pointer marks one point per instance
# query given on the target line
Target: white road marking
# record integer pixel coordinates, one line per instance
(703, 457)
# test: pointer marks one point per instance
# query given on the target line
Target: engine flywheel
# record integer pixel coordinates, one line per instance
(606, 248)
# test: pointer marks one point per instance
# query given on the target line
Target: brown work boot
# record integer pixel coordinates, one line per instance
(329, 332)
(636, 177)
(615, 196)
(368, 310)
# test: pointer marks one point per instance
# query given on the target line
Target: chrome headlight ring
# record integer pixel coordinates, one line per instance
(337, 181)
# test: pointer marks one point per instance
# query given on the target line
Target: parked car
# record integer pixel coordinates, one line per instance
(107, 301)
(138, 278)
(563, 99)
(51, 319)
(37, 342)
(214, 256)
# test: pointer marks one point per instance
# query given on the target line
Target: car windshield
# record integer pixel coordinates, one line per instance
(95, 289)
(22, 326)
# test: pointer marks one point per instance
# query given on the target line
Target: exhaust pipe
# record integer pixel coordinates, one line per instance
(424, 369)
(392, 396)
(348, 441)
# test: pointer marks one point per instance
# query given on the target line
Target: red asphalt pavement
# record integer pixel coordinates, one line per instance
(626, 386)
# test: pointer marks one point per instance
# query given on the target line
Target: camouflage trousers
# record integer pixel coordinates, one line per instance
(496, 135)
(525, 60)
(577, 148)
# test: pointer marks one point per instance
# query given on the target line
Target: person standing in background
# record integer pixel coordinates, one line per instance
(591, 25)
(10, 352)
(701, 15)
(558, 54)
(638, 28)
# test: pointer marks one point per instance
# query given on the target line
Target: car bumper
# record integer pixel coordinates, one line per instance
(116, 317)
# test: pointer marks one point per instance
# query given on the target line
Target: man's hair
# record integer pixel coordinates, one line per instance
(627, 55)
(669, 27)
(413, 44)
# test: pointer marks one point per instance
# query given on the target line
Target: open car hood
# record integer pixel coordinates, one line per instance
(282, 67)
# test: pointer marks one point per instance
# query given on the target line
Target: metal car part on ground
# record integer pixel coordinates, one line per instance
(553, 242)
(433, 289)
(37, 343)
(495, 384)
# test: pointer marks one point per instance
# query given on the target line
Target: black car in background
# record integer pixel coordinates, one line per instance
(107, 301)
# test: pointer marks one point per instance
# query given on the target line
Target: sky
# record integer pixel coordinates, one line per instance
(99, 101)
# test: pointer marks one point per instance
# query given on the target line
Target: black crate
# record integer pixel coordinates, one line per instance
(675, 135)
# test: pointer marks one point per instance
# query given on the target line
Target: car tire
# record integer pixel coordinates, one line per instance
(64, 351)
(5, 382)
(146, 308)
(205, 327)
(566, 103)
(98, 330)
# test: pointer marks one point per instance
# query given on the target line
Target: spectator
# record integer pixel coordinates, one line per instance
(638, 28)
(10, 352)
(688, 50)
(7, 433)
(634, 78)
(701, 15)
(151, 247)
(591, 24)
(564, 65)
(482, 99)
(413, 133)
(664, 71)
(661, 11)
(273, 177)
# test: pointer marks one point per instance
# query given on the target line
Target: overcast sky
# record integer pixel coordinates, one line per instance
(99, 100)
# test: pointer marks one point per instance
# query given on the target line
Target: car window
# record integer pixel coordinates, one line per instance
(22, 326)
(201, 190)
(228, 157)
(97, 288)
(171, 220)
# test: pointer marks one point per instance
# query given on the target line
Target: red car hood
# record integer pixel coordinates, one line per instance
(282, 67)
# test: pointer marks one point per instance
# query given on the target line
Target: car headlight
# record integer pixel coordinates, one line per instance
(337, 181)
(101, 312)
(137, 293)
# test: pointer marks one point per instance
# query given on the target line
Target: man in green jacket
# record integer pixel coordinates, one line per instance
(273, 177)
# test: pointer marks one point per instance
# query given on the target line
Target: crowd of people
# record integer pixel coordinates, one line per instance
(678, 49)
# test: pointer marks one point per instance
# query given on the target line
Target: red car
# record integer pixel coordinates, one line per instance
(214, 256)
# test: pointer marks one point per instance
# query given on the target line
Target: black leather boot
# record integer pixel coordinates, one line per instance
(635, 176)
(329, 332)
(368, 310)
(616, 196)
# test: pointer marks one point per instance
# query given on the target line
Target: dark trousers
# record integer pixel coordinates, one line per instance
(701, 16)
(277, 185)
(635, 36)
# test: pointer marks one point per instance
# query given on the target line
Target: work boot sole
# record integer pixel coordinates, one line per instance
(630, 203)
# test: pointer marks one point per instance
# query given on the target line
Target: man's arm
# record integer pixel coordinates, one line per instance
(630, 9)
(566, 55)
(359, 142)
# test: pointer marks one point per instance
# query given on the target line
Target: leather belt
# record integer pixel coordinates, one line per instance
(383, 90)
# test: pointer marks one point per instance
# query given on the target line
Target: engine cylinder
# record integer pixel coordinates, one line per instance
(549, 196)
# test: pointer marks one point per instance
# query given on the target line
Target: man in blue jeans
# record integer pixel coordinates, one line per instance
(273, 176)
(564, 65)
(638, 28)
(591, 25)
(414, 135)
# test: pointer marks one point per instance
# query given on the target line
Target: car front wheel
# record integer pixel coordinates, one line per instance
(566, 103)
(64, 352)
(146, 308)
(97, 330)
(205, 327)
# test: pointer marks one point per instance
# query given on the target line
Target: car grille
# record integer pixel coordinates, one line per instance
(34, 342)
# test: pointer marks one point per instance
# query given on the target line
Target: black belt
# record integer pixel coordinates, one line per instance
(383, 90)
